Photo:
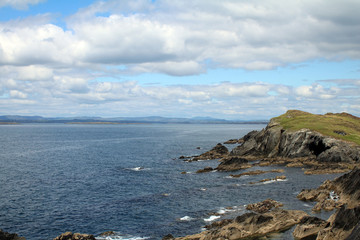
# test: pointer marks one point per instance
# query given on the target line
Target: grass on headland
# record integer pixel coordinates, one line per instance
(338, 125)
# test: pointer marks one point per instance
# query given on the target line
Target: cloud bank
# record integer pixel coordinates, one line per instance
(45, 66)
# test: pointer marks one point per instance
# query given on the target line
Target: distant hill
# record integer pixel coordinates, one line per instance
(150, 119)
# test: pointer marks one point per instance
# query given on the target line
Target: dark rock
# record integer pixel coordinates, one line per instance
(233, 164)
(346, 218)
(219, 151)
(206, 169)
(74, 236)
(9, 236)
(342, 133)
(168, 237)
(342, 224)
(249, 135)
(355, 234)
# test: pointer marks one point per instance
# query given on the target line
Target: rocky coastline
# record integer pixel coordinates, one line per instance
(314, 153)
(310, 150)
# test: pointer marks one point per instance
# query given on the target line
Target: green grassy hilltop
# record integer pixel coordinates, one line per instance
(338, 125)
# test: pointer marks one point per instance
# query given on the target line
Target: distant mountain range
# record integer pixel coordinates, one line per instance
(150, 119)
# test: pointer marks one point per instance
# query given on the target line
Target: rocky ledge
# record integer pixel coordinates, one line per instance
(250, 225)
(342, 193)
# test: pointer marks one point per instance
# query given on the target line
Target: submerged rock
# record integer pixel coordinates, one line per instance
(74, 236)
(206, 169)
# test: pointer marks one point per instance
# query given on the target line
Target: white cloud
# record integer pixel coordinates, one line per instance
(56, 68)
(158, 36)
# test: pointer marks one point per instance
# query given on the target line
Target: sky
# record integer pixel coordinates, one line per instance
(229, 59)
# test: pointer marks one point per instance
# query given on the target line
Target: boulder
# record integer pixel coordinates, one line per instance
(74, 236)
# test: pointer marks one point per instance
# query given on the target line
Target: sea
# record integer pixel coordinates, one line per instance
(129, 179)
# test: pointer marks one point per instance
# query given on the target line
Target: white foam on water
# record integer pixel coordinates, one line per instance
(186, 218)
(211, 218)
(137, 169)
(121, 237)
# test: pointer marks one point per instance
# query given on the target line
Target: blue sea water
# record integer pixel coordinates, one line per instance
(126, 178)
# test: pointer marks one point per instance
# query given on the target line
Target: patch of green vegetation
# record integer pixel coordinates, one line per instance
(338, 125)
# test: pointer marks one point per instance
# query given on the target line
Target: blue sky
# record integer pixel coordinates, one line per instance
(226, 59)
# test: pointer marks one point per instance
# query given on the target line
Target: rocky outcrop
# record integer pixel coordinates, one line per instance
(9, 236)
(251, 225)
(75, 236)
(217, 152)
(343, 193)
(333, 194)
(309, 227)
(341, 224)
(274, 141)
(233, 164)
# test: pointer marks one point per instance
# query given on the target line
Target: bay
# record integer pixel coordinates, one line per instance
(126, 178)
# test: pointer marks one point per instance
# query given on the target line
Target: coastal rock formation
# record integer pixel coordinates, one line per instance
(75, 236)
(217, 152)
(9, 236)
(233, 164)
(342, 224)
(309, 227)
(274, 141)
(343, 193)
(333, 194)
(251, 225)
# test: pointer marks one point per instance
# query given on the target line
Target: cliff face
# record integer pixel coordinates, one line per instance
(275, 141)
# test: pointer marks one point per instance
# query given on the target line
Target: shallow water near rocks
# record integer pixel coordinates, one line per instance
(127, 178)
